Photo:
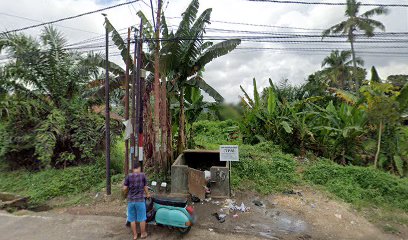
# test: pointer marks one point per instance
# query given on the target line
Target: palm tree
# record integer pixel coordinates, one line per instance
(47, 116)
(338, 66)
(355, 23)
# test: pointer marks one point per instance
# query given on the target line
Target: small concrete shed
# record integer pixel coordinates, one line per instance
(188, 177)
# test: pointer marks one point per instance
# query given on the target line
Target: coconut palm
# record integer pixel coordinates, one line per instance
(338, 66)
(356, 22)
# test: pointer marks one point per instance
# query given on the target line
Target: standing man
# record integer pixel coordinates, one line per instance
(135, 186)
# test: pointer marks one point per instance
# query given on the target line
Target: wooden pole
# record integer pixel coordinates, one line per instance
(107, 113)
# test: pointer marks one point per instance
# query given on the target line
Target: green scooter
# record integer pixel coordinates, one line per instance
(173, 213)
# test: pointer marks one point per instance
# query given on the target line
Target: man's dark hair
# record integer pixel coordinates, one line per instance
(136, 165)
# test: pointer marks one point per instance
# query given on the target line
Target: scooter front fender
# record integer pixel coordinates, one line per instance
(172, 216)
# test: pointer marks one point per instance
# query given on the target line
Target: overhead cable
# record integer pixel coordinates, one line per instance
(330, 3)
(69, 18)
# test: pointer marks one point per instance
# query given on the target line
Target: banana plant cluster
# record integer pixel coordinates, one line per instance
(350, 128)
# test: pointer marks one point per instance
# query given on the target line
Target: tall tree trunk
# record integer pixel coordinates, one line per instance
(157, 156)
(169, 135)
(353, 53)
(343, 157)
(147, 127)
(377, 154)
(181, 143)
(163, 123)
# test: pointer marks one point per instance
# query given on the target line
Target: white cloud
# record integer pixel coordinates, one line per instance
(237, 68)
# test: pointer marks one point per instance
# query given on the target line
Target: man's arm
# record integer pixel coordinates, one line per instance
(146, 188)
(125, 187)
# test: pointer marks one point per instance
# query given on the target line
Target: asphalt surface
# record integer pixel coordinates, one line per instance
(40, 226)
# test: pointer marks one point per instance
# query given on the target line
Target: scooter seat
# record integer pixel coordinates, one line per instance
(171, 202)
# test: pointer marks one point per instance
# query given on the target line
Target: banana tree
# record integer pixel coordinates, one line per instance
(339, 130)
(187, 54)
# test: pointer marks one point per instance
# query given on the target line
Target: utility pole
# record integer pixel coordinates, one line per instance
(126, 165)
(133, 96)
(152, 8)
(139, 125)
(107, 113)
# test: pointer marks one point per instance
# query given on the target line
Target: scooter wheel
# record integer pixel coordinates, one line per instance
(184, 230)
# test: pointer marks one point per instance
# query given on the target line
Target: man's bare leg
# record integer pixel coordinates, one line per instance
(133, 225)
(143, 229)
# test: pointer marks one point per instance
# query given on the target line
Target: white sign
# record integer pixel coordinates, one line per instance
(229, 153)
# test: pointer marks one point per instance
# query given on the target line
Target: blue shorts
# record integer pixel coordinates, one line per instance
(136, 212)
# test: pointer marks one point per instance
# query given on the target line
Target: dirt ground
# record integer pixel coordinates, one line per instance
(300, 214)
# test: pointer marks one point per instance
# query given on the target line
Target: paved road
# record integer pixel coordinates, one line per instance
(76, 227)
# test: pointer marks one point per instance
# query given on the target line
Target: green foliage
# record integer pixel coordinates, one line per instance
(45, 137)
(118, 155)
(360, 185)
(46, 116)
(44, 185)
(398, 80)
(265, 167)
(210, 134)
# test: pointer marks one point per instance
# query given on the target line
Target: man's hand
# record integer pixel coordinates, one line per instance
(147, 195)
(125, 191)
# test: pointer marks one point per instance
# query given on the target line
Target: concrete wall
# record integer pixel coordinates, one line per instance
(219, 182)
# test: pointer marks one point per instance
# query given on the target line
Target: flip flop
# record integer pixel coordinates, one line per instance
(143, 236)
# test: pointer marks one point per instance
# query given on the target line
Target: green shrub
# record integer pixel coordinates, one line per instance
(211, 134)
(118, 155)
(360, 184)
(44, 185)
(264, 167)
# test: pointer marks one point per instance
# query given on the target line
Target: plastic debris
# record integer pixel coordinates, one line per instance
(220, 217)
(235, 216)
(242, 208)
(338, 216)
(207, 199)
(210, 229)
(207, 175)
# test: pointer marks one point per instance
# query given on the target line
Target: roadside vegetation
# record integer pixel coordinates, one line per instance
(340, 131)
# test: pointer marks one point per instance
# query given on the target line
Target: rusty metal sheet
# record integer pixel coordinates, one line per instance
(196, 183)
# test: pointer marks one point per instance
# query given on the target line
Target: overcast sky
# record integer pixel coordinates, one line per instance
(239, 67)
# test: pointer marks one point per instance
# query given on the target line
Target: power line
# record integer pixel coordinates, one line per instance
(329, 3)
(34, 20)
(259, 25)
(71, 17)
